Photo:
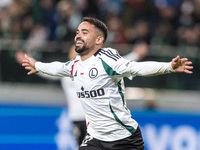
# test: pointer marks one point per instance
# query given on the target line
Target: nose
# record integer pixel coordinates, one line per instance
(78, 35)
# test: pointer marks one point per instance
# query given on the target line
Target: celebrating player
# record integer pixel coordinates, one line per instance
(98, 77)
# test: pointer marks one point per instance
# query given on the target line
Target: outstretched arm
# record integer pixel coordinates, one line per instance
(29, 64)
(20, 56)
(182, 65)
(54, 68)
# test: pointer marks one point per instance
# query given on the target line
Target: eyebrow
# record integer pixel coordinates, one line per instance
(82, 30)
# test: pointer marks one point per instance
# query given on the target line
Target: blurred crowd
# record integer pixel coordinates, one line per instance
(155, 22)
(165, 22)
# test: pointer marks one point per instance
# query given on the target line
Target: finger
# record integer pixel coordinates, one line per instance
(176, 58)
(28, 68)
(25, 61)
(25, 64)
(188, 71)
(184, 60)
(26, 56)
(188, 67)
(30, 72)
(188, 63)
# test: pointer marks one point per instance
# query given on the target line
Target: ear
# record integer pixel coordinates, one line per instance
(99, 40)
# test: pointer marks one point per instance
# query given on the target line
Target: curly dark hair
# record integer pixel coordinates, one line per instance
(99, 25)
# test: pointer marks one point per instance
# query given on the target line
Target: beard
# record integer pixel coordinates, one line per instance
(79, 49)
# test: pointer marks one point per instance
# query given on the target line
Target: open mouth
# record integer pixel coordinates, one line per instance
(79, 43)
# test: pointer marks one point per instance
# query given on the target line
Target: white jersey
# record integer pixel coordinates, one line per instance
(100, 89)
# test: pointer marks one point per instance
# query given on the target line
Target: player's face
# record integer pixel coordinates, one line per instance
(85, 38)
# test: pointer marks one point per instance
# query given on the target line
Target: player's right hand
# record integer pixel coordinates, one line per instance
(29, 64)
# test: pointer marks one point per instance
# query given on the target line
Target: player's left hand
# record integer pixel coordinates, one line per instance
(182, 65)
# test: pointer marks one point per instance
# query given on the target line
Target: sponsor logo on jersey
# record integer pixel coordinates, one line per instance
(90, 94)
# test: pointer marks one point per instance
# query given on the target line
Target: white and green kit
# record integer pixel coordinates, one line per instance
(99, 86)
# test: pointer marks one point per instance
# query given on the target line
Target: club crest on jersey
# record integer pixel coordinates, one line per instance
(93, 72)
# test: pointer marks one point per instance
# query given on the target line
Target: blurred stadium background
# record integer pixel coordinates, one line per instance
(167, 107)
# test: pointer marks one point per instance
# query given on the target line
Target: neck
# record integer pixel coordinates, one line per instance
(87, 54)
